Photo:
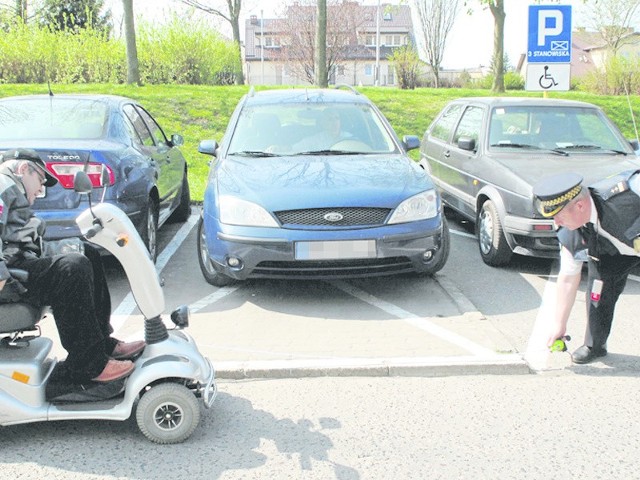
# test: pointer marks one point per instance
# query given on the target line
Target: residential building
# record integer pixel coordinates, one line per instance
(279, 51)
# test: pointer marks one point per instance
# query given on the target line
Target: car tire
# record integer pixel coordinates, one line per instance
(442, 254)
(149, 232)
(183, 211)
(210, 274)
(494, 249)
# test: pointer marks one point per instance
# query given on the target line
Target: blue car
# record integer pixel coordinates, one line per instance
(314, 184)
(146, 170)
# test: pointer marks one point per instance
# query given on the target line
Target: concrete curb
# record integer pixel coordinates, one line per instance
(373, 367)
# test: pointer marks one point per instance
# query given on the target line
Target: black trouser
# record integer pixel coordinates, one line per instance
(75, 287)
(613, 270)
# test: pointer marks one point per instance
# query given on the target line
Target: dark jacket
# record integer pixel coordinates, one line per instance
(618, 212)
(20, 230)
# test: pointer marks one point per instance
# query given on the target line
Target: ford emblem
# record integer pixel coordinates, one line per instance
(333, 217)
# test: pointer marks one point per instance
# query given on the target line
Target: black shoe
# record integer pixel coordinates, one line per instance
(586, 354)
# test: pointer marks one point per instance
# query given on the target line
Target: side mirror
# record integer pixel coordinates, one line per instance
(467, 143)
(634, 144)
(177, 140)
(82, 183)
(410, 142)
(208, 147)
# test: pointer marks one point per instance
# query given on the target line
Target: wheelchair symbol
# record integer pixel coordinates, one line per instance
(547, 81)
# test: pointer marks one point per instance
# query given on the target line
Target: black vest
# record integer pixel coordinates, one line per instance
(618, 211)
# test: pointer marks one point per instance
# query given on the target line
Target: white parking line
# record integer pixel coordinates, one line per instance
(419, 322)
(128, 305)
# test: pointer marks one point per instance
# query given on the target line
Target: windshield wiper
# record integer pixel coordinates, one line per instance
(593, 147)
(531, 147)
(255, 153)
(331, 152)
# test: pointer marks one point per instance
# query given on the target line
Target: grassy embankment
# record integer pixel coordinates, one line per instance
(202, 112)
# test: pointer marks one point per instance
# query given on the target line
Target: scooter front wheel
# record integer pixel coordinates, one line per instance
(168, 413)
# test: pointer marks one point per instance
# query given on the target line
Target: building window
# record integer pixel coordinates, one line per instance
(370, 40)
(368, 70)
(271, 42)
(393, 40)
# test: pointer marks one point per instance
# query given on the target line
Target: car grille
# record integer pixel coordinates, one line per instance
(333, 269)
(350, 217)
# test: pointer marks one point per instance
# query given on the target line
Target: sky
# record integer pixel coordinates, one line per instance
(469, 44)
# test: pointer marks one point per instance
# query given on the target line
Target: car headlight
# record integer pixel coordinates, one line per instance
(234, 211)
(419, 207)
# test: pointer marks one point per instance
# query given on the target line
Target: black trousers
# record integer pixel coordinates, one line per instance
(613, 270)
(75, 287)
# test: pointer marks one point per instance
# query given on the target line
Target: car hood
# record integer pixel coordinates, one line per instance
(593, 167)
(310, 181)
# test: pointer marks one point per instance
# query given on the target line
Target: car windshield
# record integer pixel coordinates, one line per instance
(552, 127)
(310, 129)
(52, 118)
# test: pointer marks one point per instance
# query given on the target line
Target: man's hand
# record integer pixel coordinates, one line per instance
(558, 331)
(2, 284)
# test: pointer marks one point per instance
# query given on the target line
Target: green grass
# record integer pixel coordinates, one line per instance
(202, 112)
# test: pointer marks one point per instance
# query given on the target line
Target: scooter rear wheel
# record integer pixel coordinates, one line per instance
(168, 413)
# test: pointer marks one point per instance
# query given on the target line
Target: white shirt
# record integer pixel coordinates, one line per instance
(572, 266)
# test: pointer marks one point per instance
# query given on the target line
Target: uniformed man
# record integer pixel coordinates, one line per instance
(72, 284)
(602, 221)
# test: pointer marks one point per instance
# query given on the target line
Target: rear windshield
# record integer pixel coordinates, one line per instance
(54, 118)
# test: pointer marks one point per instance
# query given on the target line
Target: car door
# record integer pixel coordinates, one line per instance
(435, 142)
(171, 164)
(463, 167)
(156, 151)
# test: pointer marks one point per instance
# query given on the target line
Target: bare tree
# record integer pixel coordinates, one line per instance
(497, 10)
(231, 15)
(133, 69)
(344, 18)
(614, 20)
(322, 80)
(436, 19)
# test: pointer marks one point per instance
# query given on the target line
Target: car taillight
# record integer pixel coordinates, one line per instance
(66, 171)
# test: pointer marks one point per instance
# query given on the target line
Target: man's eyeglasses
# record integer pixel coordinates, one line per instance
(41, 176)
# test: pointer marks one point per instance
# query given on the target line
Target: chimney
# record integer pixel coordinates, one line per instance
(253, 19)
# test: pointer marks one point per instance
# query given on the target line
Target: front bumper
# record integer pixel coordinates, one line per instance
(398, 249)
(531, 237)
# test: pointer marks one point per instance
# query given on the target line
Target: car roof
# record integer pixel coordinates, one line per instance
(305, 95)
(76, 96)
(524, 102)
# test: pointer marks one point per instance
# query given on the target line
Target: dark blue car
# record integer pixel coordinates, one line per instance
(146, 170)
(314, 183)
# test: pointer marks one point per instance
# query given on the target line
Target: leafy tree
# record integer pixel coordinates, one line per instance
(406, 62)
(436, 19)
(231, 15)
(73, 15)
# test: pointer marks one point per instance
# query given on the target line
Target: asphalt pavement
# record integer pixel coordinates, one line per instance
(370, 327)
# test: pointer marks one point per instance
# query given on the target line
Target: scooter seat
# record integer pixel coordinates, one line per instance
(17, 317)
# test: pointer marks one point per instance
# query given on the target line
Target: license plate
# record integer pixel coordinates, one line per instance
(335, 250)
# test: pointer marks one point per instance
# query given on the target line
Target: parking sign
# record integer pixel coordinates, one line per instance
(549, 34)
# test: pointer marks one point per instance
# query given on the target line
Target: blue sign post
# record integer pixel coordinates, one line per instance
(549, 52)
(549, 34)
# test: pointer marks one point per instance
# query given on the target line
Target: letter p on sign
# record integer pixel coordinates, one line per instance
(549, 25)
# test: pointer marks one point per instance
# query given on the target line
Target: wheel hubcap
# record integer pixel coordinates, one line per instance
(168, 416)
(485, 232)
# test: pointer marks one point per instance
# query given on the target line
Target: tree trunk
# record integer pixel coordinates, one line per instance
(322, 79)
(497, 10)
(133, 70)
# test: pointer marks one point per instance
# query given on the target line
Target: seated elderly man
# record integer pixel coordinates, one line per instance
(72, 284)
